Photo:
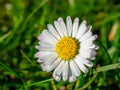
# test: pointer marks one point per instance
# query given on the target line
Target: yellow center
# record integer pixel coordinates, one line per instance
(67, 48)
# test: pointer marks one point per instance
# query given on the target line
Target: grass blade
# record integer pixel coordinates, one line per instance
(31, 15)
(108, 67)
(6, 67)
(27, 58)
(40, 82)
(4, 36)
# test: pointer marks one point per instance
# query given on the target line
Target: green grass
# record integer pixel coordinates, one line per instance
(21, 21)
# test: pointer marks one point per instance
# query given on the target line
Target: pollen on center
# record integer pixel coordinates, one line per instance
(67, 48)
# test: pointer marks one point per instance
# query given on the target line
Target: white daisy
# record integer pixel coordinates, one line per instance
(66, 49)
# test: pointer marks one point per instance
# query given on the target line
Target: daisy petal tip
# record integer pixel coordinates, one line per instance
(72, 79)
(36, 55)
(40, 37)
(89, 27)
(90, 64)
(84, 21)
(57, 78)
(39, 60)
(68, 18)
(64, 78)
(95, 36)
(43, 69)
(48, 25)
(97, 47)
(44, 30)
(60, 19)
(76, 19)
(36, 47)
(42, 65)
(86, 71)
(92, 58)
(55, 22)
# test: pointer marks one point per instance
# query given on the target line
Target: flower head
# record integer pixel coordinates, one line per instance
(66, 49)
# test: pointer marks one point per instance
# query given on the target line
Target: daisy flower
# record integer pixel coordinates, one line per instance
(67, 49)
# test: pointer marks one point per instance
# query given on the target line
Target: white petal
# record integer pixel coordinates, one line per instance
(58, 28)
(69, 25)
(72, 78)
(65, 71)
(47, 34)
(87, 35)
(93, 54)
(63, 26)
(37, 47)
(79, 62)
(40, 37)
(43, 44)
(45, 49)
(74, 68)
(94, 37)
(57, 72)
(45, 39)
(48, 60)
(85, 55)
(96, 47)
(39, 60)
(75, 27)
(49, 68)
(93, 46)
(53, 31)
(82, 30)
(91, 39)
(88, 53)
(85, 52)
(60, 68)
(42, 54)
(43, 67)
(55, 64)
(57, 78)
(88, 43)
(87, 62)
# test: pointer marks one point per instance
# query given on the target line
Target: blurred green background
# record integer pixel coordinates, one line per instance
(21, 21)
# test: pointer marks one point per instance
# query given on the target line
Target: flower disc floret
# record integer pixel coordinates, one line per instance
(67, 48)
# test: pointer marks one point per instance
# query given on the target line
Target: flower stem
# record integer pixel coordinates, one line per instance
(53, 85)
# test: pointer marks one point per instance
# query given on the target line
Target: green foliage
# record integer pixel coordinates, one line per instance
(21, 21)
